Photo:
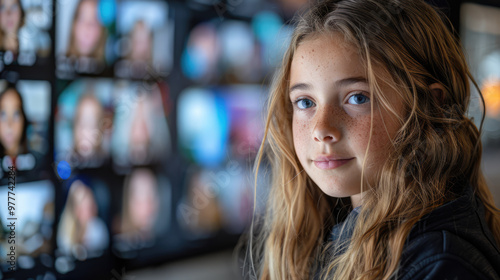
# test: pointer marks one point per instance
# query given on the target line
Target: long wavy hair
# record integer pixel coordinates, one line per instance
(436, 150)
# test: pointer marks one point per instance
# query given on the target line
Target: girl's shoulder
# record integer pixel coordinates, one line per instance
(452, 242)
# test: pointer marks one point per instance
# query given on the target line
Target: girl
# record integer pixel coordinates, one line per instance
(88, 131)
(13, 124)
(81, 232)
(11, 19)
(88, 35)
(375, 164)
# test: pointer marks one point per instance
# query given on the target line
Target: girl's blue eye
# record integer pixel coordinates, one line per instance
(304, 103)
(358, 99)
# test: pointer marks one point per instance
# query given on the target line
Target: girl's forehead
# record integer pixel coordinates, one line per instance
(325, 56)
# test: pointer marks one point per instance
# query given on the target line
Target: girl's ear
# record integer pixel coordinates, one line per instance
(439, 92)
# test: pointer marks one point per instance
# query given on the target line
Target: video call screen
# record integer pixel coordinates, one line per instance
(219, 133)
(132, 126)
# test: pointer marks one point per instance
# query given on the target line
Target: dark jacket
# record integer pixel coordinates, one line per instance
(452, 242)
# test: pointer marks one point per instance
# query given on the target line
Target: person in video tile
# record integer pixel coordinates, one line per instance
(88, 35)
(81, 232)
(11, 19)
(88, 130)
(141, 41)
(147, 128)
(12, 124)
(140, 203)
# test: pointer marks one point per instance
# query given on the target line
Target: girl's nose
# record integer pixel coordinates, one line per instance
(326, 129)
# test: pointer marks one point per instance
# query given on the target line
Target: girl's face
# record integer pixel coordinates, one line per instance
(10, 15)
(87, 28)
(332, 117)
(11, 122)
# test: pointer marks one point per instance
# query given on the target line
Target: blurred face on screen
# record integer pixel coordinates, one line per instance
(85, 208)
(10, 16)
(141, 41)
(87, 29)
(87, 132)
(143, 204)
(11, 122)
(139, 134)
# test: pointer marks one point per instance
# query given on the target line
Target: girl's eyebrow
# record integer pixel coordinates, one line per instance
(298, 86)
(338, 84)
(351, 80)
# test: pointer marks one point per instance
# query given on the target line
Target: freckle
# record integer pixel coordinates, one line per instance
(302, 56)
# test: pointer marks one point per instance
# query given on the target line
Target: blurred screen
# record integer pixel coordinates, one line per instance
(114, 138)
(24, 123)
(219, 134)
(235, 51)
(24, 32)
(146, 40)
(480, 34)
(99, 118)
(148, 142)
(144, 215)
(84, 122)
(141, 133)
(82, 232)
(85, 36)
(32, 220)
(481, 37)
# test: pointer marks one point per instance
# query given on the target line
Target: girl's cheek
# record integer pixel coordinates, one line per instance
(300, 132)
(380, 142)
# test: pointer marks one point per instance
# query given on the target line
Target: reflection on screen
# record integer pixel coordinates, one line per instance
(34, 213)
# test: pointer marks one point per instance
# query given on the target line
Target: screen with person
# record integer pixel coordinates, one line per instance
(144, 216)
(82, 232)
(85, 37)
(141, 129)
(234, 51)
(146, 40)
(25, 32)
(28, 226)
(24, 127)
(219, 131)
(84, 123)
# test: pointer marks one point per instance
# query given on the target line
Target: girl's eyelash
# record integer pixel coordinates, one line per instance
(364, 93)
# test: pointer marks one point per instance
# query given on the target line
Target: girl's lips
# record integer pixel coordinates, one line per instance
(331, 164)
